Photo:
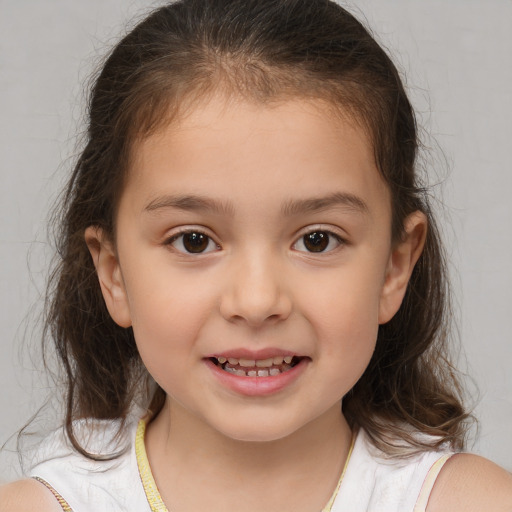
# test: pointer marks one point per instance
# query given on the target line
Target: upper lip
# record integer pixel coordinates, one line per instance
(244, 353)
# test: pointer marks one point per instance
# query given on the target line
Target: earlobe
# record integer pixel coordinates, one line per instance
(109, 275)
(401, 263)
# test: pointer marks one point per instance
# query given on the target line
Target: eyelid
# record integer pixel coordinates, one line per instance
(176, 232)
(171, 238)
(330, 230)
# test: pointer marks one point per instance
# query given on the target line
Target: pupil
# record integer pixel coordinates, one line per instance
(195, 242)
(316, 241)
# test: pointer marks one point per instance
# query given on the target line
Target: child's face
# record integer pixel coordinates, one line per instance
(286, 252)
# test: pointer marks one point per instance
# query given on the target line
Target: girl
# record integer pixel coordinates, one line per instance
(250, 307)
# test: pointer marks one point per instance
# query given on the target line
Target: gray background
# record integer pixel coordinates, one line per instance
(457, 58)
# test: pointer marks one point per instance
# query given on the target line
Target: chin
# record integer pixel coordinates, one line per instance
(257, 431)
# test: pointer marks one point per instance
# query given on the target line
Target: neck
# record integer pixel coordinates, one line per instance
(186, 455)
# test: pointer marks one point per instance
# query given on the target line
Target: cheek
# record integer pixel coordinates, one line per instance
(167, 317)
(160, 295)
(343, 302)
(349, 341)
(351, 345)
(343, 313)
(164, 332)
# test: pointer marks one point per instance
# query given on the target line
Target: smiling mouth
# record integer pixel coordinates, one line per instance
(257, 367)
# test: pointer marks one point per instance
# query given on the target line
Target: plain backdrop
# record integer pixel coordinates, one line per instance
(457, 58)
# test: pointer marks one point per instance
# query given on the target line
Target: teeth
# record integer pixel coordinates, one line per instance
(265, 363)
(259, 363)
(272, 372)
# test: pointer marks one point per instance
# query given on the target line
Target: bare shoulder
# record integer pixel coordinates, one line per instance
(27, 495)
(471, 483)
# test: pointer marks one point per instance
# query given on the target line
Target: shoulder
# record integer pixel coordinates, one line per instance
(109, 478)
(471, 483)
(376, 480)
(27, 495)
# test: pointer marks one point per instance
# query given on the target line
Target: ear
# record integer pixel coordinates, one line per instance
(109, 275)
(401, 263)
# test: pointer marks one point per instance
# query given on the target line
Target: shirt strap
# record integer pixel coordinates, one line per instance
(148, 482)
(428, 483)
(330, 503)
(62, 502)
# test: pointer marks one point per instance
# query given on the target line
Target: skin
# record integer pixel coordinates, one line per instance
(258, 288)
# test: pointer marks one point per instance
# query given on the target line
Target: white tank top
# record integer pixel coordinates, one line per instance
(369, 482)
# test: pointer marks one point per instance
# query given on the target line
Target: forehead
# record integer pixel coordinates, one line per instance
(235, 150)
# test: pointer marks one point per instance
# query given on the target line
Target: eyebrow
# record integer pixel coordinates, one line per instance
(190, 203)
(345, 200)
(290, 208)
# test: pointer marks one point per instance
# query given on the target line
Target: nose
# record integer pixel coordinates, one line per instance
(255, 292)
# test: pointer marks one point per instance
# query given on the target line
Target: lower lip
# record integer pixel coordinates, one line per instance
(257, 386)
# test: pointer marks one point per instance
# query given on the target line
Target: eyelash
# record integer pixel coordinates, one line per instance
(330, 235)
(209, 241)
(180, 236)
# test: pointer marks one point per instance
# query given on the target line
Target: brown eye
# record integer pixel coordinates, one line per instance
(193, 242)
(318, 241)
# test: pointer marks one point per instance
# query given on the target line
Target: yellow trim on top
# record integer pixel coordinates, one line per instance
(153, 495)
(148, 482)
(330, 503)
(62, 502)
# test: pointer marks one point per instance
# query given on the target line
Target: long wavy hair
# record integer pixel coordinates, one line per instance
(262, 50)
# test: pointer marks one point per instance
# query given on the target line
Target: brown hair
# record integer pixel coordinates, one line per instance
(265, 50)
